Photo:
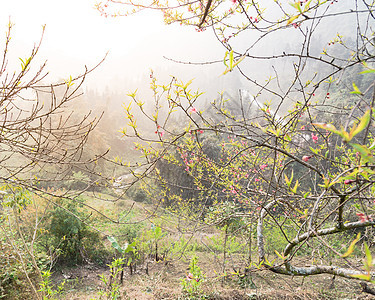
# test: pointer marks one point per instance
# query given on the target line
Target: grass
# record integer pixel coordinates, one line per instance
(162, 279)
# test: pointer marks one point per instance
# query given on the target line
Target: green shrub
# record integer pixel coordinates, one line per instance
(112, 284)
(129, 231)
(138, 193)
(191, 284)
(77, 181)
(47, 288)
(12, 276)
(65, 232)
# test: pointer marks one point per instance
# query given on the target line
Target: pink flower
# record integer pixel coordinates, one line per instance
(303, 127)
(193, 110)
(349, 181)
(363, 218)
(262, 167)
(160, 133)
(314, 137)
(306, 158)
(257, 179)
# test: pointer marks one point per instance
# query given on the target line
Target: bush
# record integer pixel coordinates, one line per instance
(13, 283)
(77, 181)
(191, 284)
(65, 232)
(138, 193)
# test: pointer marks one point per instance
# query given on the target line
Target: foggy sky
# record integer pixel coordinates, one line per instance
(76, 35)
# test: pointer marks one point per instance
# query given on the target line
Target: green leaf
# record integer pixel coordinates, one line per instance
(132, 95)
(231, 59)
(351, 246)
(69, 82)
(275, 132)
(315, 151)
(115, 244)
(130, 247)
(232, 62)
(294, 190)
(25, 63)
(368, 262)
(345, 135)
(365, 153)
(372, 145)
(292, 19)
(327, 182)
(280, 255)
(367, 71)
(356, 90)
(239, 60)
(297, 5)
(307, 6)
(327, 126)
(287, 180)
(269, 263)
(365, 120)
(225, 59)
(157, 231)
(362, 276)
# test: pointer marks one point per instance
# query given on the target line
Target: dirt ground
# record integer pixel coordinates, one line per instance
(163, 282)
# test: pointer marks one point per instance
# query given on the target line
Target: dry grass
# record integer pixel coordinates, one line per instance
(163, 282)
